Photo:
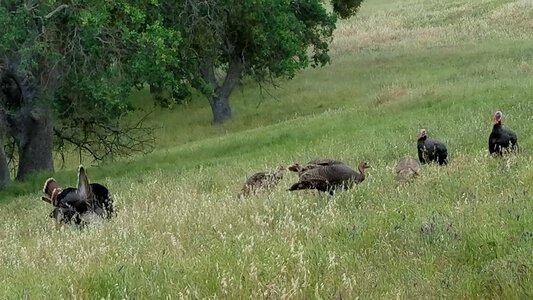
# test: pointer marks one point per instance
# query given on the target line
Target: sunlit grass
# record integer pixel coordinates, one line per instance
(462, 231)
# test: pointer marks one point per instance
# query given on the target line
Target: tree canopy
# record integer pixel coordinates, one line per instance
(261, 39)
(75, 63)
(68, 67)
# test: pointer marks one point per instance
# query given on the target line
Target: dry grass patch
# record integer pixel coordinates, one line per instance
(391, 93)
(425, 23)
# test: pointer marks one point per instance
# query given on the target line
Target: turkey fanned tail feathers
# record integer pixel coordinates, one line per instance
(72, 203)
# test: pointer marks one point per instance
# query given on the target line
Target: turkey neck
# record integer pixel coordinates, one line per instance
(422, 139)
(497, 127)
(361, 170)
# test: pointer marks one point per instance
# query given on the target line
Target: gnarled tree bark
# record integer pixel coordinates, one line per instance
(32, 132)
(28, 122)
(4, 165)
(4, 168)
(219, 100)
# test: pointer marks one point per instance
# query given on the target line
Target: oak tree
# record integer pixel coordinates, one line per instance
(67, 69)
(225, 40)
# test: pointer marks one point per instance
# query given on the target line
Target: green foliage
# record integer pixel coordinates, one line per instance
(271, 38)
(346, 8)
(88, 56)
(181, 232)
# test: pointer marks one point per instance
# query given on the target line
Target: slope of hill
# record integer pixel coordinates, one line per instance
(462, 231)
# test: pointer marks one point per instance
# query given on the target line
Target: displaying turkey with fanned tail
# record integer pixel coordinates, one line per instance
(407, 168)
(329, 177)
(430, 150)
(501, 139)
(76, 205)
(262, 181)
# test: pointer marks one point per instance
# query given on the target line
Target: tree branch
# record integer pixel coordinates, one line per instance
(207, 69)
(55, 11)
(233, 74)
(105, 141)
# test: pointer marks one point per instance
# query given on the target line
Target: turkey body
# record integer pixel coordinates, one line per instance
(430, 150)
(314, 164)
(327, 178)
(261, 180)
(502, 139)
(71, 206)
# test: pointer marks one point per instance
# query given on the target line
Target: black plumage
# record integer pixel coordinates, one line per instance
(329, 177)
(501, 139)
(430, 150)
(71, 204)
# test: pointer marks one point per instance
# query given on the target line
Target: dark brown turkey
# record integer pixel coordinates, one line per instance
(313, 164)
(407, 167)
(79, 204)
(501, 139)
(262, 181)
(329, 177)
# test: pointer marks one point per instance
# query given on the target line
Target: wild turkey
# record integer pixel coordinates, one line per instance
(72, 204)
(407, 167)
(501, 139)
(431, 150)
(326, 162)
(313, 164)
(262, 181)
(327, 178)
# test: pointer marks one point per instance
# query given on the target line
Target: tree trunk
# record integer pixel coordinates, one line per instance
(33, 135)
(219, 99)
(27, 121)
(220, 108)
(4, 168)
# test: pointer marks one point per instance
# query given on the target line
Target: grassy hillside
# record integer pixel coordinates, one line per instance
(462, 231)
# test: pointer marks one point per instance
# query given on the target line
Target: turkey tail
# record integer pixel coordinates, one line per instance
(84, 188)
(51, 189)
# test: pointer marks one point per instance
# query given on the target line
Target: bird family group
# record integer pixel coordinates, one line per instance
(78, 205)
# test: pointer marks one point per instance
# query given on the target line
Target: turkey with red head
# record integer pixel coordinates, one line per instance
(501, 139)
(329, 177)
(73, 204)
(430, 150)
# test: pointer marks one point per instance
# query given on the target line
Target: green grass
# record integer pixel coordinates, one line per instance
(181, 231)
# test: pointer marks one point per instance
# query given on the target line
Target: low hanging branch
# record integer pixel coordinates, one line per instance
(104, 141)
(84, 60)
